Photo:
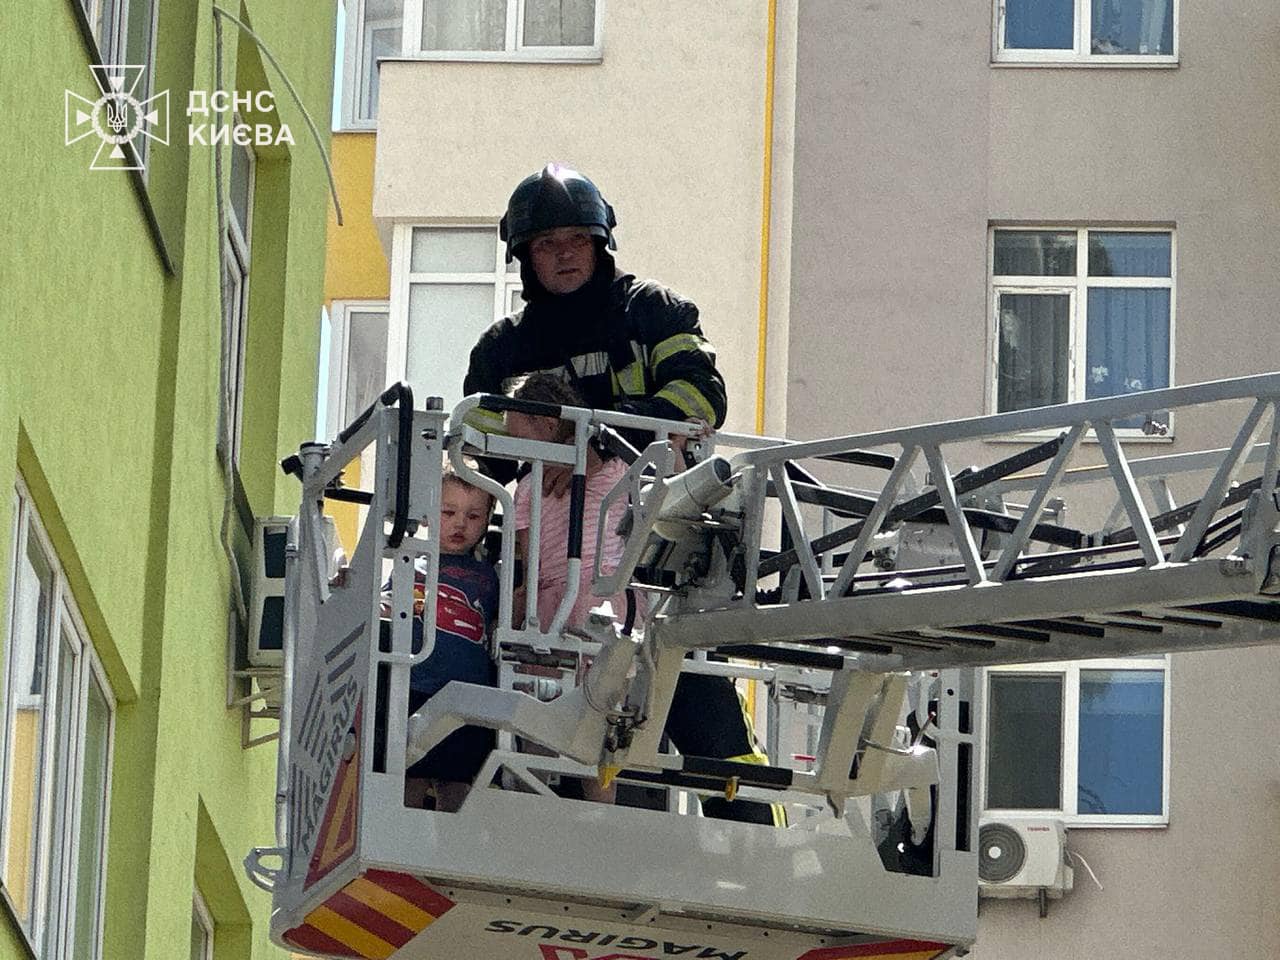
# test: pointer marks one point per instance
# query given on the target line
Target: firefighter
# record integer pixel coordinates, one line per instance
(625, 344)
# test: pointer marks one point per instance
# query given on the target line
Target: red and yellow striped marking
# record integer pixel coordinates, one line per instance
(370, 918)
(337, 839)
(887, 950)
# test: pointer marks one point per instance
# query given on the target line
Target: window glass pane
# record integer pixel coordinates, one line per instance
(201, 937)
(445, 320)
(105, 26)
(453, 250)
(1130, 254)
(1034, 359)
(559, 23)
(1035, 253)
(93, 806)
(66, 685)
(1121, 768)
(514, 303)
(464, 24)
(138, 46)
(241, 188)
(1039, 24)
(379, 41)
(27, 700)
(1132, 26)
(1024, 742)
(1127, 345)
(366, 360)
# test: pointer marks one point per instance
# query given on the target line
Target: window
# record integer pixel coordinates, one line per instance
(449, 283)
(537, 30)
(373, 31)
(542, 29)
(201, 929)
(1087, 741)
(358, 359)
(123, 30)
(1081, 313)
(1107, 32)
(57, 731)
(237, 242)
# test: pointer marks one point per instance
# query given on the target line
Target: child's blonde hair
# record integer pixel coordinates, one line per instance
(449, 474)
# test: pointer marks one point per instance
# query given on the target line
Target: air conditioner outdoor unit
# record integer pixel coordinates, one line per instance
(266, 592)
(1022, 858)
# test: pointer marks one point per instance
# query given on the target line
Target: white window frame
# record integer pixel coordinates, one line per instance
(238, 244)
(514, 49)
(357, 47)
(340, 312)
(1078, 287)
(505, 284)
(113, 49)
(56, 861)
(200, 914)
(356, 51)
(1080, 55)
(1068, 812)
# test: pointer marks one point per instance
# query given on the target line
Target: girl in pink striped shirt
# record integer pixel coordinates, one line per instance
(602, 475)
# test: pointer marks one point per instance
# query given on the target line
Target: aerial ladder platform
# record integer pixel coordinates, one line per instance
(859, 581)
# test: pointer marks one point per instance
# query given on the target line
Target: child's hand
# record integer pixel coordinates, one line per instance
(679, 441)
(556, 477)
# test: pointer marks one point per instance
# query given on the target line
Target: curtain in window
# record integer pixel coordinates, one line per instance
(1121, 760)
(445, 320)
(27, 707)
(559, 23)
(464, 24)
(366, 361)
(1034, 362)
(1128, 253)
(1127, 344)
(1132, 27)
(93, 815)
(1024, 742)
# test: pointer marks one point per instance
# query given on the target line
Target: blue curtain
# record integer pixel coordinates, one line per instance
(1121, 759)
(1132, 27)
(1126, 344)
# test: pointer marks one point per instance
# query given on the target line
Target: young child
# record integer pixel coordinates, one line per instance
(466, 609)
(553, 563)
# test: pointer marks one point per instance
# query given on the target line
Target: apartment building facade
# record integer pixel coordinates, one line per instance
(890, 214)
(1051, 202)
(157, 356)
(662, 105)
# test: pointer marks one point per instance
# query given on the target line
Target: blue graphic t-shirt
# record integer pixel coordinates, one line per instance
(466, 604)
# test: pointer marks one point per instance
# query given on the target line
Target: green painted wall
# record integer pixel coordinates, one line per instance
(108, 410)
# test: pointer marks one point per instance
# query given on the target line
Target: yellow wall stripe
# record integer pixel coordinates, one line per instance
(766, 205)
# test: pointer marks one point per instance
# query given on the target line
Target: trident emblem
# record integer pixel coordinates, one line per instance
(118, 117)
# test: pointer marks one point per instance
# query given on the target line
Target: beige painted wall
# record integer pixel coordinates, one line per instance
(669, 125)
(908, 145)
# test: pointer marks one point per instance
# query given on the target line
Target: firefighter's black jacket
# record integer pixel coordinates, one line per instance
(626, 344)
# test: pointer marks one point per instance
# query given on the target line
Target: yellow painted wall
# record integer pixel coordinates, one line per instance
(355, 264)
